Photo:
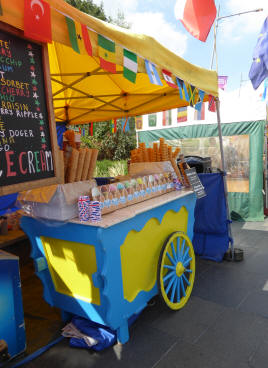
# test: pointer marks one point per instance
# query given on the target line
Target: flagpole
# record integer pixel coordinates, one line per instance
(224, 177)
(216, 25)
(214, 52)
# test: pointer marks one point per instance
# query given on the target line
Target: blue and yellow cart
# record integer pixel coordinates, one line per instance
(107, 272)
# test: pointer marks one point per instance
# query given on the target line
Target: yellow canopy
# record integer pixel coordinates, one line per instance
(83, 92)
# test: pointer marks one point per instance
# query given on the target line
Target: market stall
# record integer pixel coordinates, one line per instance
(105, 269)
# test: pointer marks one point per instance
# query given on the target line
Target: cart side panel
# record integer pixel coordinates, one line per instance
(140, 251)
(66, 258)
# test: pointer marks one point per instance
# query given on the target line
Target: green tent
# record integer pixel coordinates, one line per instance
(244, 205)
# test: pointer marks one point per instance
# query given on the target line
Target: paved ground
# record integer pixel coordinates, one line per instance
(224, 324)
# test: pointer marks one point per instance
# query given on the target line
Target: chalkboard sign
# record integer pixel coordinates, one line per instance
(27, 138)
(195, 182)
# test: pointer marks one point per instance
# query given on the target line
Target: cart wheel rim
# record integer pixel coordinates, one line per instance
(176, 270)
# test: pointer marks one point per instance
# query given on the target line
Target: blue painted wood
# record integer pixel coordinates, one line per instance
(113, 311)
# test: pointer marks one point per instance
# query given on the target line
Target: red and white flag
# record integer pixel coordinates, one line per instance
(211, 103)
(168, 79)
(197, 16)
(37, 20)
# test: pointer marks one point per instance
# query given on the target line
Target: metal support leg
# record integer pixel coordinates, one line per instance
(224, 178)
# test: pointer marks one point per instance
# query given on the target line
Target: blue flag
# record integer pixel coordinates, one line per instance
(152, 73)
(259, 67)
(198, 105)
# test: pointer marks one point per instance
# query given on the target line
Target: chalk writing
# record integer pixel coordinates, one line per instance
(25, 145)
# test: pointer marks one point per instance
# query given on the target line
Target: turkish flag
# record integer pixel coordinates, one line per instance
(197, 16)
(37, 20)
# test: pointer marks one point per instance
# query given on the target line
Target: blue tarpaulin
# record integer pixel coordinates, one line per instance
(61, 128)
(211, 238)
(8, 203)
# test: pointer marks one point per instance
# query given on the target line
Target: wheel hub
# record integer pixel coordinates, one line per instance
(179, 269)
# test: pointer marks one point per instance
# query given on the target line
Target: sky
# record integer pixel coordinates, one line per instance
(236, 36)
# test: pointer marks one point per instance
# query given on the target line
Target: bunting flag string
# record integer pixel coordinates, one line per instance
(39, 28)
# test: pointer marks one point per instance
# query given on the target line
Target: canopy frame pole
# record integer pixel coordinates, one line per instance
(66, 86)
(89, 96)
(224, 177)
(153, 99)
(99, 107)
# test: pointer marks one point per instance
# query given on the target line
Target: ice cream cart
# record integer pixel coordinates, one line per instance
(107, 272)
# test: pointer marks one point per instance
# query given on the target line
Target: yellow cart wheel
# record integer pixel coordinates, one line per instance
(176, 270)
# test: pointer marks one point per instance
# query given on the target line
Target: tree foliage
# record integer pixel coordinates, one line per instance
(111, 146)
(88, 7)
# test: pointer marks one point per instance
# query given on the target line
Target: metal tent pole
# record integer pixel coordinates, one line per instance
(224, 177)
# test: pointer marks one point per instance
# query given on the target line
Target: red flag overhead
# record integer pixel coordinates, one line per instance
(37, 20)
(197, 16)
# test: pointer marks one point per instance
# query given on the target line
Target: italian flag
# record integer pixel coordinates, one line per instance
(79, 37)
(107, 54)
(130, 66)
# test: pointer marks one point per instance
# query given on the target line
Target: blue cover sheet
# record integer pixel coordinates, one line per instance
(211, 238)
(8, 203)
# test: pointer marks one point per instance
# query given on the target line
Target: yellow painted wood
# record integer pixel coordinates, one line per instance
(71, 266)
(141, 250)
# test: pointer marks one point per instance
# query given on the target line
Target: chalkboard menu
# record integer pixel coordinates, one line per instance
(26, 153)
(195, 182)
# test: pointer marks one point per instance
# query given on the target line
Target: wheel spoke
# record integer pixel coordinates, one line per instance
(168, 275)
(169, 267)
(185, 263)
(185, 254)
(173, 252)
(179, 290)
(170, 284)
(186, 280)
(178, 248)
(173, 290)
(182, 286)
(188, 270)
(182, 249)
(171, 259)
